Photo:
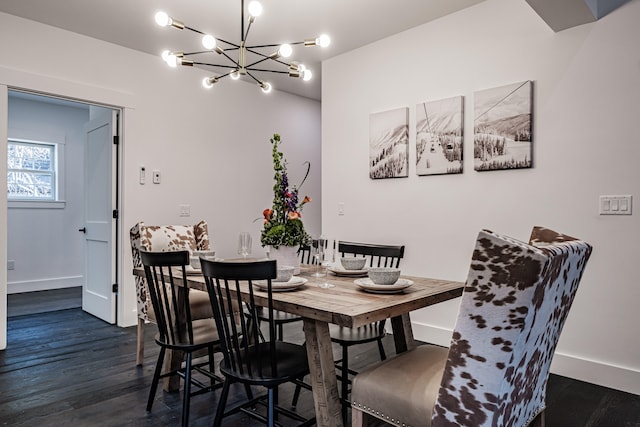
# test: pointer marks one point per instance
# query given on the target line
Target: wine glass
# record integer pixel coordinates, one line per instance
(328, 259)
(317, 252)
(244, 244)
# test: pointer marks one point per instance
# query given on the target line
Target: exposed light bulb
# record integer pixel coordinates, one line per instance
(208, 82)
(323, 41)
(255, 9)
(172, 60)
(306, 75)
(301, 68)
(285, 50)
(235, 75)
(165, 55)
(209, 42)
(163, 19)
(266, 87)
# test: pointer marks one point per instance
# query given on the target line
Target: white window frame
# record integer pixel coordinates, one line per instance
(57, 202)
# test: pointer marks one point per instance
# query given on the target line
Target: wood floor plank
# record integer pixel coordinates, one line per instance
(67, 368)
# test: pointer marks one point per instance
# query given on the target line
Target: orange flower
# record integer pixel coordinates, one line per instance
(306, 199)
(267, 214)
(294, 215)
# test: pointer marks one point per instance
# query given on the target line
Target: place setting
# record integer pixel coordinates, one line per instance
(350, 266)
(284, 281)
(383, 280)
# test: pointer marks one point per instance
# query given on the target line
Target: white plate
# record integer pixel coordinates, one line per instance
(369, 286)
(339, 270)
(190, 270)
(293, 283)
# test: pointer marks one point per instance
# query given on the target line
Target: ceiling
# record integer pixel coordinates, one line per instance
(130, 23)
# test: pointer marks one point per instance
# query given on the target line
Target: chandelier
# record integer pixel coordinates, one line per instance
(235, 56)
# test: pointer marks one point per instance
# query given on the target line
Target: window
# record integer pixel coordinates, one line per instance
(31, 171)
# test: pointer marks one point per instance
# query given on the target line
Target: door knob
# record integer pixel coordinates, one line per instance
(83, 229)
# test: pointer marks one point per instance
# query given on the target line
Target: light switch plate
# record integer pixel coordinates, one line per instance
(615, 205)
(156, 177)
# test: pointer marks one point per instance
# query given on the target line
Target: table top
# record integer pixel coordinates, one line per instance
(346, 304)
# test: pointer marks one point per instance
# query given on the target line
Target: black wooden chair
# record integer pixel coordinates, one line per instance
(378, 256)
(177, 328)
(252, 362)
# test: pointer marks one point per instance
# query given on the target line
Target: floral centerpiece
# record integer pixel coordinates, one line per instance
(283, 226)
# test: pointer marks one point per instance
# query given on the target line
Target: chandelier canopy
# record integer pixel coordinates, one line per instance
(235, 56)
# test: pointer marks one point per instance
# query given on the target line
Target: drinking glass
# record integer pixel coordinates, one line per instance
(244, 244)
(317, 252)
(328, 259)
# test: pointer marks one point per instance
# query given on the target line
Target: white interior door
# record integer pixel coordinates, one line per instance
(98, 295)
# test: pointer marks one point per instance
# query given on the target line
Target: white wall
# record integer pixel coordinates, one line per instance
(44, 242)
(212, 147)
(586, 111)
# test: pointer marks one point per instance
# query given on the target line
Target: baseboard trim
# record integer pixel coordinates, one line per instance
(572, 366)
(44, 284)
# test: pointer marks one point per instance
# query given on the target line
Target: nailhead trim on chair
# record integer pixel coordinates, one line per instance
(378, 414)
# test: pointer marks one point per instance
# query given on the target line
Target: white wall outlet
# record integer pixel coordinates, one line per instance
(615, 205)
(143, 173)
(185, 210)
(156, 177)
(11, 265)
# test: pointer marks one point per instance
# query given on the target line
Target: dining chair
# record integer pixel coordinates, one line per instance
(267, 362)
(495, 372)
(161, 238)
(178, 330)
(378, 256)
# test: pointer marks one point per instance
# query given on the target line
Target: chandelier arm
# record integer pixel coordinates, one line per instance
(209, 64)
(266, 57)
(262, 70)
(253, 77)
(272, 45)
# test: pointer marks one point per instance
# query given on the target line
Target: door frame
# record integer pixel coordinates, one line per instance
(12, 79)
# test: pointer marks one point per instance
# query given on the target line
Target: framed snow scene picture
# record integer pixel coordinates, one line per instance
(502, 127)
(439, 127)
(389, 144)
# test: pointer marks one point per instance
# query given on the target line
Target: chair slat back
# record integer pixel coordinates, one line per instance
(379, 255)
(169, 295)
(239, 334)
(512, 311)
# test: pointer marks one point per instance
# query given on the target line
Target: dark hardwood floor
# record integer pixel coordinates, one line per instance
(67, 368)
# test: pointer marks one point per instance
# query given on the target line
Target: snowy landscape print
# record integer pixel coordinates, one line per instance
(439, 127)
(502, 127)
(389, 144)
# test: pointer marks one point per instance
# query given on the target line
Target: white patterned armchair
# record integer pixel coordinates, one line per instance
(165, 238)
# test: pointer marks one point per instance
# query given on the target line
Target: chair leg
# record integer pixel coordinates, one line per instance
(280, 332)
(345, 382)
(359, 418)
(383, 355)
(271, 408)
(222, 403)
(156, 379)
(140, 343)
(187, 391)
(296, 395)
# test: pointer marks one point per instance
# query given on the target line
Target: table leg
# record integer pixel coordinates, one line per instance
(323, 374)
(172, 361)
(402, 333)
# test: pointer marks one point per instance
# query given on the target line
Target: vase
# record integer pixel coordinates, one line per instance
(286, 255)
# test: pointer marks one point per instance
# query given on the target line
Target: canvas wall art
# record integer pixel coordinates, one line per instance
(502, 127)
(389, 144)
(439, 127)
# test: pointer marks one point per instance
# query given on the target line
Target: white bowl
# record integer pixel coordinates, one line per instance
(194, 260)
(285, 273)
(353, 263)
(384, 275)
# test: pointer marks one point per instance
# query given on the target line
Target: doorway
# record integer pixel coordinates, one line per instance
(45, 250)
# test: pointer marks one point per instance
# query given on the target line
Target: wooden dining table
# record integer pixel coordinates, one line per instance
(346, 304)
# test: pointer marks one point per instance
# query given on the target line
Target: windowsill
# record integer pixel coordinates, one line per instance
(36, 204)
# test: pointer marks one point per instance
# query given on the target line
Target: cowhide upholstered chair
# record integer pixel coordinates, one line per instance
(165, 238)
(514, 305)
